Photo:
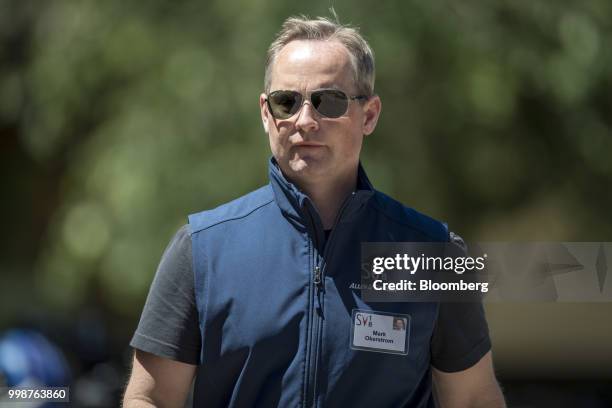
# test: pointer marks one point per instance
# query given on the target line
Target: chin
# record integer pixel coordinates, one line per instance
(306, 167)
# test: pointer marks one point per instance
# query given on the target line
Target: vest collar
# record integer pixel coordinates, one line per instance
(299, 209)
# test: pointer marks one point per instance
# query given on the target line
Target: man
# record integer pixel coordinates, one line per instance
(255, 298)
(399, 323)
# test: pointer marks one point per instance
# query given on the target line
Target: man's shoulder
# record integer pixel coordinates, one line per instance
(238, 208)
(409, 217)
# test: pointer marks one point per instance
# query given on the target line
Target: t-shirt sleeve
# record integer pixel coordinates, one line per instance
(461, 336)
(168, 325)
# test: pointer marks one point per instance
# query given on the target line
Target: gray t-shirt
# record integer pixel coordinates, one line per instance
(169, 324)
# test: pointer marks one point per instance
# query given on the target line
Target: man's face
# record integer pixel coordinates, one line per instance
(309, 147)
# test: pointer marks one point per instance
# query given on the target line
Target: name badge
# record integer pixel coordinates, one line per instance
(380, 331)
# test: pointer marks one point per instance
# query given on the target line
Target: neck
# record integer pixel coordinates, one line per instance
(329, 196)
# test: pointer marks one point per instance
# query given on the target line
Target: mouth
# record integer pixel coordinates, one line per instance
(308, 144)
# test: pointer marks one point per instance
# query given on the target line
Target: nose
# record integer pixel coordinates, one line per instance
(306, 119)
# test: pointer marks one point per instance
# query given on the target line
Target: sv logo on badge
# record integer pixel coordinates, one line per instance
(363, 320)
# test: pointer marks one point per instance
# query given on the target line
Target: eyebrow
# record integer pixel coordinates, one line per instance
(329, 86)
(325, 86)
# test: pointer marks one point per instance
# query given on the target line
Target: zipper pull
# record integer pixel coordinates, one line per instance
(317, 276)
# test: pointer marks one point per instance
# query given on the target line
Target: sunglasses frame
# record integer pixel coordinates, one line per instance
(308, 97)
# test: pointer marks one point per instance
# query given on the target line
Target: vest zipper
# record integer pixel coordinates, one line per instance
(314, 322)
(317, 312)
(317, 276)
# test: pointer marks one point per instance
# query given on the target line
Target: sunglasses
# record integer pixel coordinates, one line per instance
(330, 103)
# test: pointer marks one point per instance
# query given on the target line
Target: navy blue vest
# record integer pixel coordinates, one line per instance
(275, 302)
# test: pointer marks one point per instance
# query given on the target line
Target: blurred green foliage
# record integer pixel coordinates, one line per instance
(117, 119)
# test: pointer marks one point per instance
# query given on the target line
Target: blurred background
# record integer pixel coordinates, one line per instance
(117, 119)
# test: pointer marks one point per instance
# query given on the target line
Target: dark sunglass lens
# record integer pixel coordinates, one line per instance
(284, 104)
(330, 102)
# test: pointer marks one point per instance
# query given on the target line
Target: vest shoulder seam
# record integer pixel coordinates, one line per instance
(232, 218)
(413, 225)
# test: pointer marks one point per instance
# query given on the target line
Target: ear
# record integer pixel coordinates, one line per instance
(265, 114)
(371, 113)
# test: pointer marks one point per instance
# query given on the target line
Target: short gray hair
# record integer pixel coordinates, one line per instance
(324, 29)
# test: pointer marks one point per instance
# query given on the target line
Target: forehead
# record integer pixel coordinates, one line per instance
(310, 64)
